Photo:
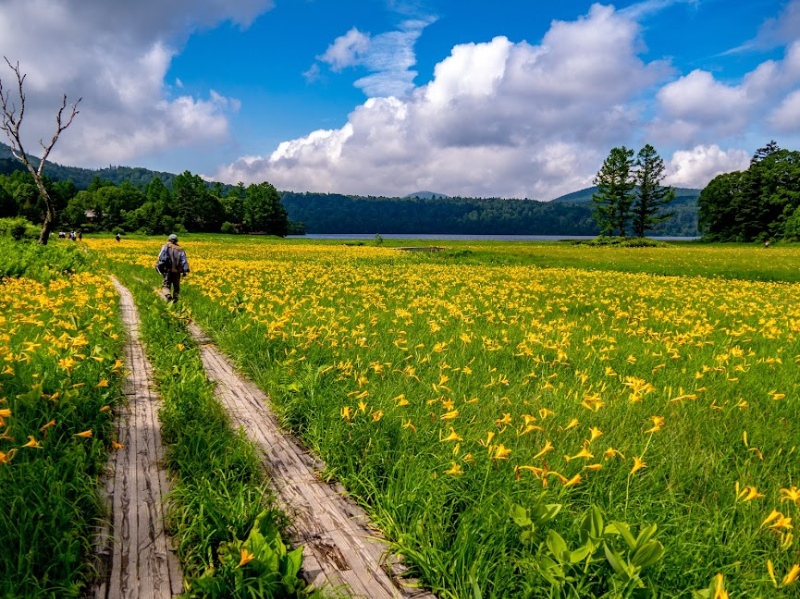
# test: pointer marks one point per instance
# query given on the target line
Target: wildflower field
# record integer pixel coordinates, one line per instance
(533, 420)
(60, 339)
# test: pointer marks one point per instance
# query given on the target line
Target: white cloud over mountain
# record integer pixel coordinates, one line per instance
(515, 119)
(498, 118)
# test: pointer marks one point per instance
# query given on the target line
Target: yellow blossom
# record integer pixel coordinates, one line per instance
(32, 442)
(455, 470)
(638, 464)
(453, 436)
(245, 557)
(548, 447)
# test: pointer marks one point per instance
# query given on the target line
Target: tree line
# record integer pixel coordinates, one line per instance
(188, 204)
(757, 204)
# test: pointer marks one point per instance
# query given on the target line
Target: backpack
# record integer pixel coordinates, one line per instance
(164, 264)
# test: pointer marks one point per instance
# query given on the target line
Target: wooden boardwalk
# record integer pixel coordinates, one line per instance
(341, 553)
(136, 557)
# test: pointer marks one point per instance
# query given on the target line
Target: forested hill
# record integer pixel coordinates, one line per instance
(82, 177)
(420, 212)
(336, 213)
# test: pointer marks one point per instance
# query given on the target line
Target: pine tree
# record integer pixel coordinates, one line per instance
(614, 196)
(651, 196)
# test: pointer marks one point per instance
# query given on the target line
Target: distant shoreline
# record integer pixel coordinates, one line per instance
(454, 237)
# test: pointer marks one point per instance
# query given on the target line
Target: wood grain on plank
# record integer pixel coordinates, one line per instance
(341, 551)
(138, 560)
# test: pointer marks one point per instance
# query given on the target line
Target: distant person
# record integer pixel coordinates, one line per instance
(172, 265)
(117, 237)
(766, 243)
(80, 234)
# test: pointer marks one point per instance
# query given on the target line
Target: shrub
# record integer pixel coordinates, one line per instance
(228, 228)
(18, 228)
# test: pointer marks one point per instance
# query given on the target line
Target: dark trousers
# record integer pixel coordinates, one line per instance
(172, 286)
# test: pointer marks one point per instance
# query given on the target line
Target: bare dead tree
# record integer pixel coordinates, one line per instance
(11, 123)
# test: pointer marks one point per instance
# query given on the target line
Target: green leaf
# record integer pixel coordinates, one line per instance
(623, 530)
(592, 524)
(646, 534)
(580, 553)
(616, 562)
(520, 516)
(648, 554)
(476, 589)
(557, 545)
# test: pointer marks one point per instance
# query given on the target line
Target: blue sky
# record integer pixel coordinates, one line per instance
(386, 97)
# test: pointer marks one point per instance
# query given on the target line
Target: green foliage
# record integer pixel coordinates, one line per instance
(228, 228)
(18, 228)
(756, 204)
(651, 196)
(336, 213)
(258, 566)
(43, 263)
(614, 197)
(623, 242)
(599, 566)
(48, 489)
(263, 210)
(630, 191)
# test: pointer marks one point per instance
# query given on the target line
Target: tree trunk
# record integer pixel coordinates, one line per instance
(50, 212)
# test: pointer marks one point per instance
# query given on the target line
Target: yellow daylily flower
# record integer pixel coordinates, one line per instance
(246, 557)
(501, 452)
(548, 447)
(792, 494)
(638, 464)
(32, 442)
(453, 436)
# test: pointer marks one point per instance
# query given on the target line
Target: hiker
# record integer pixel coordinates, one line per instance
(117, 237)
(172, 265)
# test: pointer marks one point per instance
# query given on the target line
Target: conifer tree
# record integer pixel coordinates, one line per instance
(614, 196)
(651, 196)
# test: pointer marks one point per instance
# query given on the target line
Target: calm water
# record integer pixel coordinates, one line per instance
(444, 237)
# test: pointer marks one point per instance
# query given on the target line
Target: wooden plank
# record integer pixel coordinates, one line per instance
(341, 552)
(140, 564)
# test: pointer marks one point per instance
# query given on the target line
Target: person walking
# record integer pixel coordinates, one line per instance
(172, 265)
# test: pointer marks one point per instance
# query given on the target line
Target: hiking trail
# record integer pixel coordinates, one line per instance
(135, 554)
(342, 553)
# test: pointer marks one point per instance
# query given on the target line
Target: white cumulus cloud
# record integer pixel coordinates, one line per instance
(498, 119)
(696, 167)
(115, 56)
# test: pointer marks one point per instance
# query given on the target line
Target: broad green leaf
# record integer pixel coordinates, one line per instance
(646, 534)
(623, 530)
(557, 545)
(648, 554)
(580, 553)
(616, 562)
(520, 515)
